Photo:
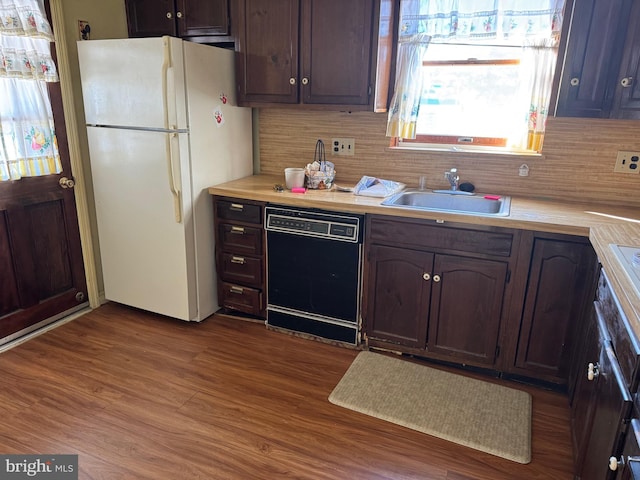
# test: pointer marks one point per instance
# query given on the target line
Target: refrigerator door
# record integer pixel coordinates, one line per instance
(147, 254)
(136, 82)
(220, 150)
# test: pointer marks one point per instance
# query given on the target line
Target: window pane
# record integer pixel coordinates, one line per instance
(469, 100)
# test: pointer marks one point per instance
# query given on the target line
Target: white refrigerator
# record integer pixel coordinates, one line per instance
(162, 125)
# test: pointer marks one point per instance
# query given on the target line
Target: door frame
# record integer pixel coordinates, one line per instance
(68, 102)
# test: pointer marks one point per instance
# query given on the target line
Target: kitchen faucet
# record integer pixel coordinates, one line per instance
(453, 178)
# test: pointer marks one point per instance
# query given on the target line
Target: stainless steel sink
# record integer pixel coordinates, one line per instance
(474, 204)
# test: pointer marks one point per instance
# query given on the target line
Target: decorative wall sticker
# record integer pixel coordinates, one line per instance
(223, 98)
(218, 116)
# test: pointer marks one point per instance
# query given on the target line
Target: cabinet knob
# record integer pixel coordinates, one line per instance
(426, 276)
(436, 278)
(292, 81)
(626, 82)
(169, 15)
(593, 371)
(575, 81)
(614, 463)
(305, 81)
(179, 14)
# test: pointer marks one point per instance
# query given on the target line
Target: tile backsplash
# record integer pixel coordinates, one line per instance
(576, 163)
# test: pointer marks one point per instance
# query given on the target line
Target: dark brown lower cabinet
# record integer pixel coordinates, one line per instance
(627, 467)
(433, 302)
(601, 405)
(560, 286)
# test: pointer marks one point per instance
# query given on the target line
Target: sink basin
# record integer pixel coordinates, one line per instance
(475, 204)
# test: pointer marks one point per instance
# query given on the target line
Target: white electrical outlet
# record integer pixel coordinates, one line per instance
(343, 146)
(627, 162)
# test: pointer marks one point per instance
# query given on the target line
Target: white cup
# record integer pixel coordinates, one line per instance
(294, 177)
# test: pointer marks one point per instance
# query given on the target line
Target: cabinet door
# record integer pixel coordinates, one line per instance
(202, 17)
(151, 18)
(560, 285)
(267, 51)
(399, 294)
(466, 308)
(336, 39)
(592, 58)
(612, 406)
(584, 397)
(627, 97)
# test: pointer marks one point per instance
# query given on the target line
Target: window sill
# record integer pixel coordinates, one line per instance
(463, 149)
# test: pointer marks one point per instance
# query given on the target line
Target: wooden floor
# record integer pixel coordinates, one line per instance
(138, 396)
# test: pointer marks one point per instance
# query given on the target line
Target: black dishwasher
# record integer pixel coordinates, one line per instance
(314, 263)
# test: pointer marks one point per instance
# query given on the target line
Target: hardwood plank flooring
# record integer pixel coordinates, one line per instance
(139, 396)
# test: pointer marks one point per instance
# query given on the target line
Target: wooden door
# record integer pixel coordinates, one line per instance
(466, 308)
(399, 295)
(592, 58)
(267, 51)
(41, 268)
(611, 409)
(627, 98)
(561, 283)
(202, 17)
(151, 18)
(335, 50)
(584, 397)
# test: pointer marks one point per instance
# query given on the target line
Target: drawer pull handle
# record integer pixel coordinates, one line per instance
(238, 260)
(238, 207)
(238, 290)
(593, 371)
(238, 230)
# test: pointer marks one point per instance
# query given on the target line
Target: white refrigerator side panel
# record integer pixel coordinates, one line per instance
(221, 149)
(143, 248)
(124, 82)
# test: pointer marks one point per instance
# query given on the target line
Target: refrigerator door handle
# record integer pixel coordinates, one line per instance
(175, 191)
(166, 65)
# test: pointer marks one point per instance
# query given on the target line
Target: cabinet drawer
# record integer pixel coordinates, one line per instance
(239, 211)
(394, 232)
(240, 239)
(243, 299)
(624, 341)
(241, 269)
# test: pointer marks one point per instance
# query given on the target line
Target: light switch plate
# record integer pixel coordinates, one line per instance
(627, 162)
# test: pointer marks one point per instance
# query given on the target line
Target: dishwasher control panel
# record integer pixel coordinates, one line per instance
(316, 223)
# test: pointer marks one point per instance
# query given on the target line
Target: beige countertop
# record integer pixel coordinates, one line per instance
(603, 224)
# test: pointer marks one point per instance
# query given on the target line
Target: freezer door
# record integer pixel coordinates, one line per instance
(147, 250)
(135, 82)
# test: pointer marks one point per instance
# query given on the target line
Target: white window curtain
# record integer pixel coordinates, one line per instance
(405, 103)
(506, 22)
(27, 135)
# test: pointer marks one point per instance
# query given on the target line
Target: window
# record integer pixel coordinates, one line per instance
(27, 140)
(480, 73)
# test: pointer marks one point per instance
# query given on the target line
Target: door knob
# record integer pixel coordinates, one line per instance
(426, 276)
(436, 278)
(67, 182)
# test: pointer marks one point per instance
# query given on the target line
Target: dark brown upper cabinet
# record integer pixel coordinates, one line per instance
(598, 78)
(198, 20)
(312, 52)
